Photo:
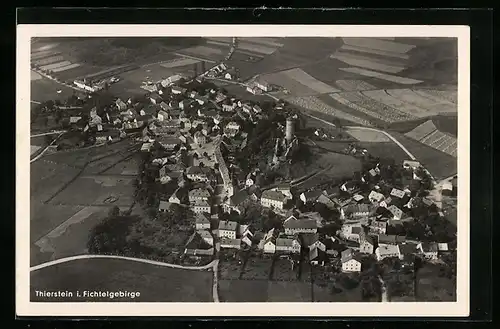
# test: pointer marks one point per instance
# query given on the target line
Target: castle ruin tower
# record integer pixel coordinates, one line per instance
(290, 129)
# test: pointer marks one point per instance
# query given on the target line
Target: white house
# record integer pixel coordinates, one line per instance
(293, 225)
(397, 193)
(263, 85)
(350, 261)
(230, 243)
(386, 251)
(375, 197)
(396, 212)
(227, 229)
(273, 199)
(291, 245)
(200, 207)
(367, 245)
(411, 164)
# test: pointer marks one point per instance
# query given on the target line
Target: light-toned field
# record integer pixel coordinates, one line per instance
(220, 39)
(61, 241)
(354, 85)
(35, 76)
(422, 130)
(366, 62)
(314, 104)
(154, 283)
(55, 65)
(306, 79)
(65, 68)
(383, 97)
(42, 54)
(367, 135)
(34, 148)
(49, 60)
(43, 47)
(411, 97)
(382, 76)
(295, 87)
(449, 95)
(375, 51)
(179, 62)
(385, 45)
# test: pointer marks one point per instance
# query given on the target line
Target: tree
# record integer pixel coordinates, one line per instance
(114, 212)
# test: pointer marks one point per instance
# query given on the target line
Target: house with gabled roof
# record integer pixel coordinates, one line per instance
(396, 212)
(230, 243)
(227, 229)
(397, 193)
(288, 244)
(273, 199)
(202, 222)
(390, 239)
(206, 236)
(366, 245)
(293, 225)
(387, 251)
(310, 196)
(351, 261)
(429, 250)
(375, 197)
(312, 241)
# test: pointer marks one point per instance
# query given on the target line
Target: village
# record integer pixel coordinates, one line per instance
(193, 140)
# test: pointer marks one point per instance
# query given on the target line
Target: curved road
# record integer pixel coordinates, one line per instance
(46, 148)
(140, 260)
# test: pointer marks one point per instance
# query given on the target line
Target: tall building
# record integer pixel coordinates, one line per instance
(290, 129)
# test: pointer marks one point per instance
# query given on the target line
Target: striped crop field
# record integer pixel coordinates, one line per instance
(55, 65)
(422, 130)
(382, 76)
(411, 97)
(308, 80)
(361, 103)
(354, 85)
(312, 103)
(384, 45)
(179, 62)
(43, 54)
(375, 51)
(65, 68)
(438, 95)
(49, 60)
(383, 97)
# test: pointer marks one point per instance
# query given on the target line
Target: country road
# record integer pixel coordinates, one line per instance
(46, 148)
(59, 82)
(49, 133)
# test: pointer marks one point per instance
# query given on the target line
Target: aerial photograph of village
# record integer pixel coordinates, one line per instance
(243, 169)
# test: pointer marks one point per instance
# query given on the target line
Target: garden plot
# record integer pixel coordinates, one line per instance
(257, 268)
(55, 65)
(67, 67)
(306, 79)
(383, 97)
(49, 60)
(179, 62)
(375, 52)
(366, 62)
(314, 104)
(382, 76)
(409, 96)
(389, 46)
(363, 135)
(357, 101)
(422, 130)
(442, 142)
(449, 95)
(354, 85)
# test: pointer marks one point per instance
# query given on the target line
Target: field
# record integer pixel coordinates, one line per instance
(359, 102)
(367, 135)
(43, 89)
(367, 62)
(206, 52)
(432, 105)
(428, 134)
(68, 238)
(354, 85)
(388, 99)
(294, 86)
(382, 45)
(154, 283)
(382, 76)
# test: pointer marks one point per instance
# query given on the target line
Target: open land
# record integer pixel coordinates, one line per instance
(153, 283)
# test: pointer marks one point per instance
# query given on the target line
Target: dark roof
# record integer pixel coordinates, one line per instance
(310, 238)
(300, 223)
(407, 248)
(312, 195)
(390, 239)
(239, 197)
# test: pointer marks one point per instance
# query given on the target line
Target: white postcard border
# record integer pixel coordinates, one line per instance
(425, 309)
